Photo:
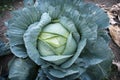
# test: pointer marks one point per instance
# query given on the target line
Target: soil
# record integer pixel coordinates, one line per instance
(5, 15)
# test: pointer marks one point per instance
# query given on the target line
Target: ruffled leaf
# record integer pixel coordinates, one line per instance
(59, 74)
(88, 29)
(70, 26)
(53, 7)
(45, 49)
(17, 27)
(22, 69)
(41, 75)
(31, 36)
(70, 77)
(97, 72)
(81, 46)
(19, 50)
(56, 28)
(28, 3)
(71, 46)
(56, 59)
(97, 52)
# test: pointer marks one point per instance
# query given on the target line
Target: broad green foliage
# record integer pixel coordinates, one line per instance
(65, 38)
(21, 68)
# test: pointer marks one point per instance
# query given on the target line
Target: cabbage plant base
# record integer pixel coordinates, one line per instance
(61, 40)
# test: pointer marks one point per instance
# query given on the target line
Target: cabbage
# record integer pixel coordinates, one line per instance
(66, 40)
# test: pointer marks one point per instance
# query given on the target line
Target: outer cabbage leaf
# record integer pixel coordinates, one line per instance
(17, 27)
(22, 69)
(98, 62)
(31, 36)
(95, 54)
(94, 72)
(28, 2)
(64, 74)
(70, 26)
(81, 46)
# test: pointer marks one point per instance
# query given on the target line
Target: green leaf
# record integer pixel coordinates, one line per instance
(17, 26)
(81, 46)
(85, 76)
(53, 7)
(70, 26)
(56, 41)
(23, 18)
(22, 69)
(45, 49)
(98, 59)
(88, 11)
(97, 52)
(71, 46)
(104, 34)
(19, 50)
(15, 34)
(74, 69)
(28, 2)
(56, 59)
(45, 35)
(88, 29)
(70, 77)
(31, 36)
(59, 74)
(56, 28)
(97, 72)
(41, 75)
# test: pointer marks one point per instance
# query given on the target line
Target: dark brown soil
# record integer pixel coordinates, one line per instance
(3, 64)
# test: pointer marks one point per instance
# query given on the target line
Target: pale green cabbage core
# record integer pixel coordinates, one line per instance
(53, 39)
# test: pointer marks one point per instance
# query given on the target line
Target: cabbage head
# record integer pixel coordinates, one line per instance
(59, 40)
